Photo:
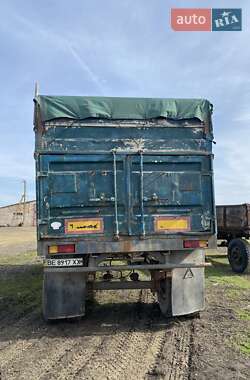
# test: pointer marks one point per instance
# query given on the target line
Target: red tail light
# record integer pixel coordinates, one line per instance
(63, 248)
(195, 243)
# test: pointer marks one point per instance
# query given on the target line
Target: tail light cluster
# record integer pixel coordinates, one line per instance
(195, 244)
(70, 248)
(62, 248)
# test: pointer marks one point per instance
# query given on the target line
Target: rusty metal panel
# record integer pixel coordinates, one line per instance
(233, 221)
(58, 138)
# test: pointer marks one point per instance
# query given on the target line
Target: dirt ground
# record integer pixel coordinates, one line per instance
(17, 240)
(123, 335)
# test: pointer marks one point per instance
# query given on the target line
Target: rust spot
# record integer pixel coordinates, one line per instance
(127, 246)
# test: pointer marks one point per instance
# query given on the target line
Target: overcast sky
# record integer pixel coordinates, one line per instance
(121, 48)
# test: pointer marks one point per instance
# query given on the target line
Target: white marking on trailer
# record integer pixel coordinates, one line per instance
(56, 225)
(188, 274)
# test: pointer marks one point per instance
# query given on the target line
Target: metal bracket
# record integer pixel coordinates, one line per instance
(42, 174)
(115, 196)
(142, 194)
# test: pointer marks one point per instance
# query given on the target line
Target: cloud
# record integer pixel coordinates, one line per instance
(85, 67)
(36, 32)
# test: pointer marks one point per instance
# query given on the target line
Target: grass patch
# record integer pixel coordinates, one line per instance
(221, 273)
(242, 343)
(20, 259)
(21, 292)
(233, 294)
(245, 347)
(20, 283)
(236, 286)
(243, 314)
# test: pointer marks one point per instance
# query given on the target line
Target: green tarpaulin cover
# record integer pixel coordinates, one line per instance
(83, 107)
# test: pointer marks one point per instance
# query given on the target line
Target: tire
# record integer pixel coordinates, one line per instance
(90, 295)
(164, 297)
(239, 255)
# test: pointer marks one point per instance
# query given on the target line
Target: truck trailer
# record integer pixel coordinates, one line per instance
(233, 227)
(124, 189)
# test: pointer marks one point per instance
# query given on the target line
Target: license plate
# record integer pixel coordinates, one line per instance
(172, 224)
(63, 262)
(84, 226)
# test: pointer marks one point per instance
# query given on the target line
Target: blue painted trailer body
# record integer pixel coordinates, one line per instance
(127, 174)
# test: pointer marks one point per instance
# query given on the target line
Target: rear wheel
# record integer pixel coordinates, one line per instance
(239, 255)
(164, 297)
(90, 294)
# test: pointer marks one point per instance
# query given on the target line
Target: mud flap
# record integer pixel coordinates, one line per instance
(187, 290)
(64, 295)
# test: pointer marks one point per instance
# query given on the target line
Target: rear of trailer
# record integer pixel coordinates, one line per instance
(124, 187)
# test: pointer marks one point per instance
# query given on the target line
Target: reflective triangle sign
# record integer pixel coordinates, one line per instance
(188, 274)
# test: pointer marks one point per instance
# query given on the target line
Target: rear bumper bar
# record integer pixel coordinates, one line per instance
(149, 244)
(120, 268)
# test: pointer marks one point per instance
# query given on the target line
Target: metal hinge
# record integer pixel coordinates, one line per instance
(42, 222)
(42, 174)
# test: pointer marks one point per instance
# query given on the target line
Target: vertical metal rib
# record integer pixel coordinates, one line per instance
(115, 196)
(142, 195)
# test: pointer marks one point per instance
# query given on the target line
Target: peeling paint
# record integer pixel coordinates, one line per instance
(206, 220)
(134, 144)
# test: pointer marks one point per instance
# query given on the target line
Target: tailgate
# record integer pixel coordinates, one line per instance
(125, 194)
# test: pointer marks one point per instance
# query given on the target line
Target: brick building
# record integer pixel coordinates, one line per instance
(18, 214)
